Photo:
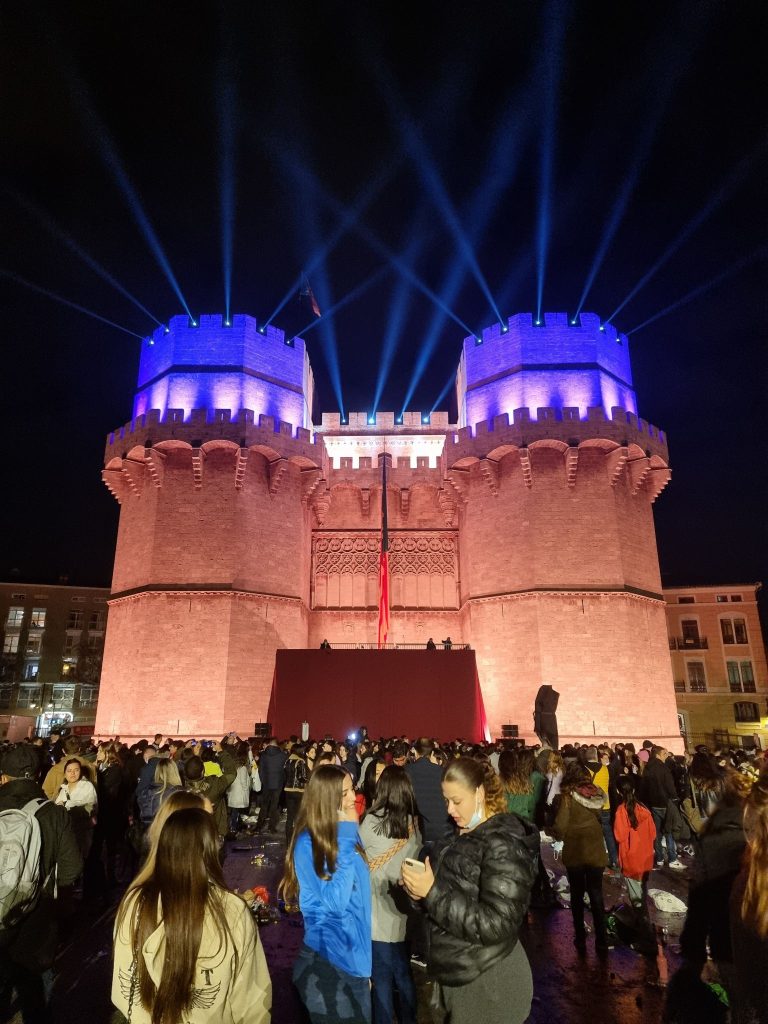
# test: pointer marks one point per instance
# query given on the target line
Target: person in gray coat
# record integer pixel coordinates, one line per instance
(389, 833)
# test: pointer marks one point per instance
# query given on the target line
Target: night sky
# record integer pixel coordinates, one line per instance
(537, 133)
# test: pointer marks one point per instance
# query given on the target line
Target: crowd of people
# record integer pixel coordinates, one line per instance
(402, 856)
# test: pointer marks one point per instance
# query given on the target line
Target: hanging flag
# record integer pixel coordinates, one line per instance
(384, 561)
(307, 293)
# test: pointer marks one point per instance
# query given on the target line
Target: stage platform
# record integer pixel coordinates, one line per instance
(391, 692)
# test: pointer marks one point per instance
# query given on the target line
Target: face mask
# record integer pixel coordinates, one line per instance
(477, 817)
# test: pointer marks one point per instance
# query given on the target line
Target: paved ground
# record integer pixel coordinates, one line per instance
(624, 989)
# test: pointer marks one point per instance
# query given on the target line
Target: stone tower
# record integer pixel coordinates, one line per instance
(524, 530)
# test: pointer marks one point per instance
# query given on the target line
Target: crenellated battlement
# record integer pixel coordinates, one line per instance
(203, 425)
(379, 422)
(217, 363)
(556, 361)
(566, 425)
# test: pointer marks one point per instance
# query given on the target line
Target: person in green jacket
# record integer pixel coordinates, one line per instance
(213, 786)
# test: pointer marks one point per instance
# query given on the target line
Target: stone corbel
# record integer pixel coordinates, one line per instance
(459, 481)
(617, 460)
(447, 506)
(116, 483)
(489, 471)
(133, 473)
(241, 461)
(198, 458)
(320, 505)
(525, 465)
(571, 465)
(638, 473)
(405, 501)
(277, 471)
(155, 466)
(657, 481)
(310, 481)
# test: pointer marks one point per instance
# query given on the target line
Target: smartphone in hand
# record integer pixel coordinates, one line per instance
(414, 865)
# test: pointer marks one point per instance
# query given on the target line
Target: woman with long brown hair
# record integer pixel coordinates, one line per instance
(186, 948)
(474, 890)
(389, 833)
(325, 867)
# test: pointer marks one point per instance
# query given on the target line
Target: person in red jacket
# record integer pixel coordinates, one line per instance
(635, 833)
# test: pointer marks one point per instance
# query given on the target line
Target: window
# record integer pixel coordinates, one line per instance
(690, 629)
(96, 620)
(18, 597)
(10, 643)
(95, 642)
(71, 643)
(696, 676)
(75, 620)
(30, 695)
(722, 598)
(746, 711)
(31, 670)
(63, 693)
(734, 631)
(686, 600)
(89, 696)
(735, 597)
(34, 642)
(78, 600)
(38, 618)
(6, 692)
(741, 678)
(15, 617)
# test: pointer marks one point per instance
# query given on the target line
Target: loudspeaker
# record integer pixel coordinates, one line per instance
(509, 732)
(262, 730)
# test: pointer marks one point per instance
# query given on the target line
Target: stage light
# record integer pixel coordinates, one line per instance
(602, 327)
(574, 322)
(504, 329)
(478, 341)
(193, 323)
(371, 420)
(261, 330)
(150, 341)
(425, 417)
(167, 330)
(538, 323)
(399, 419)
(227, 323)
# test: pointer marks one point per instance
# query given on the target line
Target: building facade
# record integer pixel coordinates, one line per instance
(525, 529)
(52, 649)
(719, 663)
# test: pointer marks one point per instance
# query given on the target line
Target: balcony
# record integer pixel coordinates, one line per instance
(680, 686)
(698, 687)
(692, 643)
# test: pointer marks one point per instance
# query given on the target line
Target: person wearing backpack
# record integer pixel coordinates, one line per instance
(30, 885)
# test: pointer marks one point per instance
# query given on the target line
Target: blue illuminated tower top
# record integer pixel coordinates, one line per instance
(556, 362)
(211, 364)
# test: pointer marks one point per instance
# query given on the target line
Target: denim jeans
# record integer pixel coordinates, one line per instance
(391, 972)
(659, 814)
(608, 836)
(330, 995)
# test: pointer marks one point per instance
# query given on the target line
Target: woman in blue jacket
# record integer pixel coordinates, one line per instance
(326, 867)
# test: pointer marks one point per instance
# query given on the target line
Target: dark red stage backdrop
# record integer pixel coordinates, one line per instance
(416, 693)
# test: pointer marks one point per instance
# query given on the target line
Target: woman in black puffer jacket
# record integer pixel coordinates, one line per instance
(475, 893)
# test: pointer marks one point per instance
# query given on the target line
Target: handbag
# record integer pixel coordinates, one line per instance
(255, 778)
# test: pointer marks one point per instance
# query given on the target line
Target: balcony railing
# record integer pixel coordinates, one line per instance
(692, 643)
(698, 687)
(396, 647)
(680, 686)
